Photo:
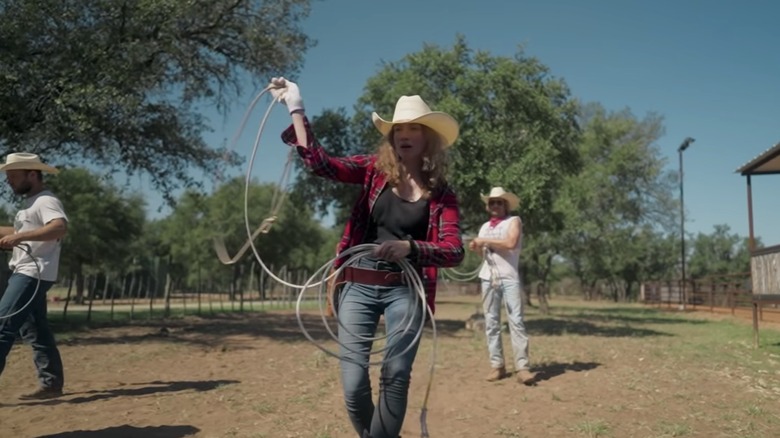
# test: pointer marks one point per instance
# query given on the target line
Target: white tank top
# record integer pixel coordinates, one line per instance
(503, 262)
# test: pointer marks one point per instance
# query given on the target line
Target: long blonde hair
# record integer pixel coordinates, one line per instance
(434, 166)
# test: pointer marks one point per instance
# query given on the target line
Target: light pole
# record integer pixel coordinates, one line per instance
(687, 142)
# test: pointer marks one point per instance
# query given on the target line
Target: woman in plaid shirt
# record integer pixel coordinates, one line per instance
(407, 208)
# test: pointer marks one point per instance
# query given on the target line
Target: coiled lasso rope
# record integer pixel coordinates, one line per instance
(27, 250)
(455, 274)
(416, 287)
(495, 278)
(355, 254)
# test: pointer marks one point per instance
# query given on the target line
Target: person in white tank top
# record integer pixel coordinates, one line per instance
(500, 241)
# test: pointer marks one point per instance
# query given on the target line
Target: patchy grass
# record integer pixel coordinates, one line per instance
(605, 370)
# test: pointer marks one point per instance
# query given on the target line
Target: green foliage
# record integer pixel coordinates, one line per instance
(187, 234)
(335, 131)
(518, 127)
(104, 225)
(120, 85)
(117, 83)
(721, 252)
(618, 208)
(102, 221)
(517, 123)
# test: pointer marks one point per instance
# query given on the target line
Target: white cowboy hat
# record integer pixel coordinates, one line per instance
(412, 109)
(25, 161)
(499, 193)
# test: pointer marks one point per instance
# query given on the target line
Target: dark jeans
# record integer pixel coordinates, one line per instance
(33, 326)
(360, 307)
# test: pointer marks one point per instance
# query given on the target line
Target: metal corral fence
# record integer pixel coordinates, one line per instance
(143, 296)
(731, 293)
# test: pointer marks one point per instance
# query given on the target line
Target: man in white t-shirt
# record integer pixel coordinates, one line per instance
(35, 239)
(500, 241)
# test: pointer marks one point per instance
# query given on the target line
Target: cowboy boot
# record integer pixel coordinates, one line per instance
(496, 374)
(525, 376)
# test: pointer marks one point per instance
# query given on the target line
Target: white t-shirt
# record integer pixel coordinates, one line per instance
(503, 262)
(39, 210)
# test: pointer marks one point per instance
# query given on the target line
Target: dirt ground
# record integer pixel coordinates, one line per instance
(255, 375)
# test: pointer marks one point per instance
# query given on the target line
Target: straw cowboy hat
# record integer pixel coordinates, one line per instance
(25, 161)
(412, 109)
(499, 193)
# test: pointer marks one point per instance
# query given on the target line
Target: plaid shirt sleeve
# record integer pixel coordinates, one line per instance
(446, 249)
(347, 169)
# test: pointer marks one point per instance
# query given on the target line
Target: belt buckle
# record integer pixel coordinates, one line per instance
(400, 273)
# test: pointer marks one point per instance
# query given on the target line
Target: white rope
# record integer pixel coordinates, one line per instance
(455, 274)
(495, 278)
(276, 202)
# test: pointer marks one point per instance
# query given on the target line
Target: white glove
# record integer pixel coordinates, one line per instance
(287, 91)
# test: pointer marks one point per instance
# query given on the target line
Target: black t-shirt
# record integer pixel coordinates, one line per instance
(393, 218)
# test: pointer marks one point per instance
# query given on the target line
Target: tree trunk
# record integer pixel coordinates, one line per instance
(541, 293)
(168, 287)
(91, 293)
(67, 298)
(106, 279)
(79, 298)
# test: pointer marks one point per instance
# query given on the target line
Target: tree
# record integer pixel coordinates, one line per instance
(103, 223)
(518, 124)
(719, 253)
(518, 127)
(621, 203)
(334, 130)
(117, 83)
(187, 233)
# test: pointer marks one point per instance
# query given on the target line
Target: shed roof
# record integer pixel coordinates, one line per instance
(768, 162)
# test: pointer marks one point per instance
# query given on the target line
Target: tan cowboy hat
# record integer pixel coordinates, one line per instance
(25, 161)
(499, 193)
(412, 109)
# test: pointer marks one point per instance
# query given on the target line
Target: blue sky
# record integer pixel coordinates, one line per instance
(710, 68)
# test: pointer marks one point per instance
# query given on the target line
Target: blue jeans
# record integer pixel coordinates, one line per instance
(509, 290)
(33, 326)
(359, 309)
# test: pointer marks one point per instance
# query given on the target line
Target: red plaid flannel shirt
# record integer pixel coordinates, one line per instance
(443, 246)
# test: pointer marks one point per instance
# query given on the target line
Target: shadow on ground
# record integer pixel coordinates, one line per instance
(214, 331)
(550, 370)
(627, 315)
(562, 326)
(211, 332)
(134, 390)
(127, 431)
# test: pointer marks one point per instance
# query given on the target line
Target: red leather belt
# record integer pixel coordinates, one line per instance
(372, 277)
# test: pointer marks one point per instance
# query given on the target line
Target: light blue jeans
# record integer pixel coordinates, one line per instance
(359, 309)
(509, 291)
